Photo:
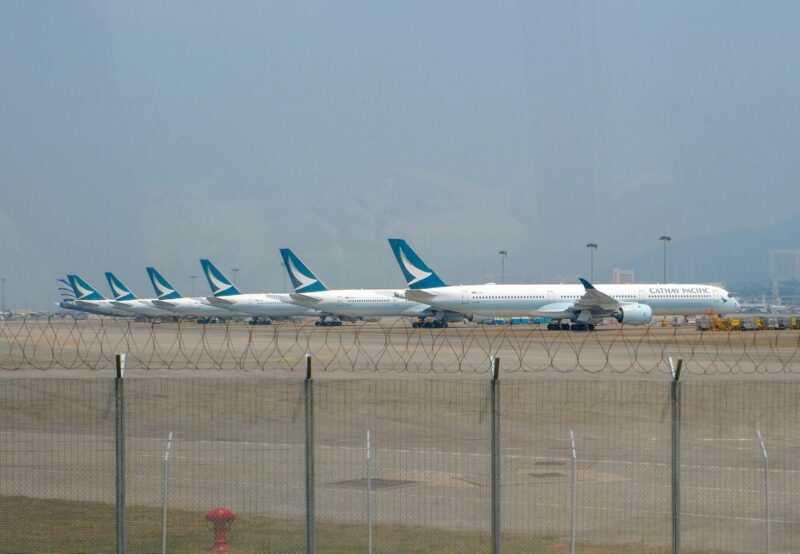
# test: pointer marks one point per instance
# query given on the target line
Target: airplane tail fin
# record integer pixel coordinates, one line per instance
(68, 290)
(163, 289)
(83, 290)
(303, 279)
(417, 273)
(220, 285)
(118, 289)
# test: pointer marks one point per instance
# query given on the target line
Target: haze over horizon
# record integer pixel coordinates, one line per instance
(156, 134)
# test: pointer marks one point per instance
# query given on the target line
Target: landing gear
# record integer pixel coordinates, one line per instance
(425, 324)
(258, 320)
(324, 322)
(578, 326)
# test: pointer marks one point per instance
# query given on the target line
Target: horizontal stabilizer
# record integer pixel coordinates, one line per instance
(419, 295)
(218, 301)
(163, 304)
(304, 297)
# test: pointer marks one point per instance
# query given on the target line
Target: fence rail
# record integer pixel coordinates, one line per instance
(390, 346)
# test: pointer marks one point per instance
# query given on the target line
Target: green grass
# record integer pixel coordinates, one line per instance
(37, 525)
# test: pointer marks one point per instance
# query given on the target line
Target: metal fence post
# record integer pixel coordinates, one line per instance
(164, 495)
(369, 495)
(311, 546)
(675, 403)
(119, 397)
(574, 515)
(495, 405)
(766, 487)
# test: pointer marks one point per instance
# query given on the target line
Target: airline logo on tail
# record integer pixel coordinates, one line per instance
(83, 290)
(163, 289)
(303, 279)
(69, 292)
(220, 285)
(418, 275)
(118, 290)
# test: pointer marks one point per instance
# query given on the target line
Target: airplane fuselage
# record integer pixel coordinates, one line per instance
(140, 306)
(546, 300)
(195, 306)
(262, 305)
(357, 303)
(98, 307)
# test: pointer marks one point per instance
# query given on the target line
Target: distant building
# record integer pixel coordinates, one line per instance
(784, 265)
(623, 276)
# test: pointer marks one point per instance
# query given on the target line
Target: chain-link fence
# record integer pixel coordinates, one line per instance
(426, 480)
(390, 346)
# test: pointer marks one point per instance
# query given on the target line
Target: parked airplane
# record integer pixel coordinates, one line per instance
(225, 295)
(354, 304)
(124, 299)
(171, 300)
(88, 300)
(576, 307)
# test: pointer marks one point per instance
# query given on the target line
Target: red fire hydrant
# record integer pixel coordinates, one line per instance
(221, 519)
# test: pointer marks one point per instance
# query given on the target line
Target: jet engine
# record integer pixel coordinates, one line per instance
(634, 314)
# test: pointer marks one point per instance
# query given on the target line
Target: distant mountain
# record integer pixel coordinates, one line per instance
(732, 257)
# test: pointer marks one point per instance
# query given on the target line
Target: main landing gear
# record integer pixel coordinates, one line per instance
(425, 324)
(328, 322)
(566, 326)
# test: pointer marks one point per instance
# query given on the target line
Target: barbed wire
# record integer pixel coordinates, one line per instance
(387, 346)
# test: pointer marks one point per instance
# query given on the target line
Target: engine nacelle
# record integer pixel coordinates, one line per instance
(634, 314)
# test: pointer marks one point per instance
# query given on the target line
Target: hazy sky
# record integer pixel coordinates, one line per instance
(136, 134)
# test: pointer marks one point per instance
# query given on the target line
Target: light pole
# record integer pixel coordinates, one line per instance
(283, 265)
(192, 278)
(235, 270)
(503, 255)
(4, 295)
(592, 247)
(666, 239)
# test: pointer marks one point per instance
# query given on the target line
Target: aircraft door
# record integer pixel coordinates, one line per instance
(464, 296)
(551, 295)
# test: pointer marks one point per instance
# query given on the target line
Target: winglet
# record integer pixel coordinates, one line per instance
(220, 285)
(303, 279)
(118, 289)
(163, 289)
(586, 284)
(416, 272)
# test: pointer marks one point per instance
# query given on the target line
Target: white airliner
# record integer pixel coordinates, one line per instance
(171, 300)
(353, 304)
(124, 299)
(576, 307)
(87, 299)
(271, 306)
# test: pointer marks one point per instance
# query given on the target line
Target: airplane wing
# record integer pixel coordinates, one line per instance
(304, 297)
(555, 308)
(595, 301)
